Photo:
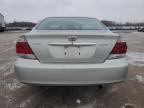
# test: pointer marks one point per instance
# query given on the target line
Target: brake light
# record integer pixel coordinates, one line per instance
(119, 49)
(23, 49)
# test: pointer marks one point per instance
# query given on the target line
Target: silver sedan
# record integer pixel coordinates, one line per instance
(70, 51)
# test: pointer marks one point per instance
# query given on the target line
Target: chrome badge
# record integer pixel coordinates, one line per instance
(72, 38)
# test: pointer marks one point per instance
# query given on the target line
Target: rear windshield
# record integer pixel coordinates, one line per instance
(70, 24)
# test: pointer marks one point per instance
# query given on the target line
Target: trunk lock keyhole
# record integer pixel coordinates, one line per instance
(79, 50)
(65, 52)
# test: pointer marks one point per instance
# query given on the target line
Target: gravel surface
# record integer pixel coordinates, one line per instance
(129, 94)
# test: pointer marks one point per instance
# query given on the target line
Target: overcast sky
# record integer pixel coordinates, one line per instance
(35, 10)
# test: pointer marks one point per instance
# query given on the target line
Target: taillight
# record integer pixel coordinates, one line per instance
(119, 49)
(23, 49)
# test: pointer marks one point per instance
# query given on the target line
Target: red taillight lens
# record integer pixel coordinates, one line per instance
(119, 48)
(23, 48)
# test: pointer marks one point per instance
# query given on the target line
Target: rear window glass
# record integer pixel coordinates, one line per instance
(70, 24)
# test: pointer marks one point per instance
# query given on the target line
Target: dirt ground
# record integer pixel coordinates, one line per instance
(129, 94)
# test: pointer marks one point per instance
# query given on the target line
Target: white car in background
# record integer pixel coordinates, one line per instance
(70, 51)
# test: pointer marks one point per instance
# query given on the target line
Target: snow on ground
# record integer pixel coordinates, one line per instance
(4, 67)
(136, 58)
(13, 84)
(78, 101)
(5, 50)
(25, 102)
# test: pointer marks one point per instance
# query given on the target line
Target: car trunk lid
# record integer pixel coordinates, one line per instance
(64, 46)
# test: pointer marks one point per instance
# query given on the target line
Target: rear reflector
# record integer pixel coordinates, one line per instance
(23, 48)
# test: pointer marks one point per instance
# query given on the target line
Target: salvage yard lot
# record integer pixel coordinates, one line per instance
(16, 95)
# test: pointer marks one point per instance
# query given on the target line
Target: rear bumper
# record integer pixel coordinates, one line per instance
(33, 72)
